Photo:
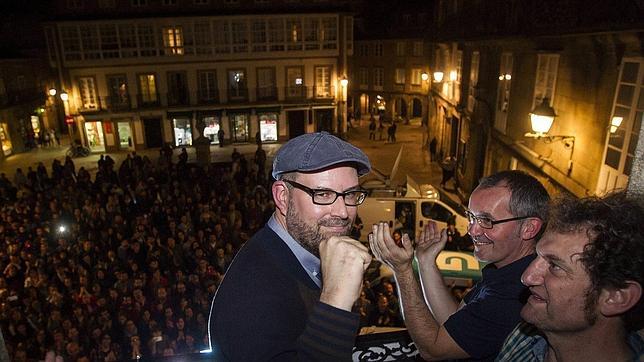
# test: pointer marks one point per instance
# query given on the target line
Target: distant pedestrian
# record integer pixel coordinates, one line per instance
(381, 129)
(391, 133)
(448, 165)
(53, 138)
(57, 137)
(220, 137)
(46, 139)
(432, 149)
(372, 129)
(260, 160)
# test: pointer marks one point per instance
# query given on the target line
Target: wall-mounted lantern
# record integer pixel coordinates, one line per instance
(438, 76)
(541, 119)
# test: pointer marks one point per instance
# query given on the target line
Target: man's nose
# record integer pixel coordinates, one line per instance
(533, 275)
(474, 229)
(339, 208)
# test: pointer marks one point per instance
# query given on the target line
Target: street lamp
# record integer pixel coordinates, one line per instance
(541, 119)
(344, 82)
(52, 92)
(69, 121)
(438, 76)
(424, 76)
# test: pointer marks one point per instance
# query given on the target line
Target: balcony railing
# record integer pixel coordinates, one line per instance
(296, 92)
(121, 103)
(178, 98)
(148, 100)
(118, 103)
(267, 93)
(208, 97)
(236, 95)
(90, 106)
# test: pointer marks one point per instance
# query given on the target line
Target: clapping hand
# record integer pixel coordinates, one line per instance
(430, 243)
(383, 246)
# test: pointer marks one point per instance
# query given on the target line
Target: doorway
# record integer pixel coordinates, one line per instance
(126, 141)
(153, 136)
(416, 108)
(94, 133)
(400, 107)
(324, 120)
(295, 121)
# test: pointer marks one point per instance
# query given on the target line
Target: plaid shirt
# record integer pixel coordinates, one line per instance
(527, 344)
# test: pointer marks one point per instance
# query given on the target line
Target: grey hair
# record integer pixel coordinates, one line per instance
(528, 197)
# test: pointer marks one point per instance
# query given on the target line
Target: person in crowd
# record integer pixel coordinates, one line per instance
(456, 241)
(301, 272)
(383, 315)
(220, 137)
(448, 167)
(381, 128)
(260, 159)
(432, 149)
(585, 285)
(372, 128)
(507, 212)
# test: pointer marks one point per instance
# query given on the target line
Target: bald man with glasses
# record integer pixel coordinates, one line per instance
(507, 213)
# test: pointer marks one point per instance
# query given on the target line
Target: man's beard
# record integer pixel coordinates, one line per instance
(310, 236)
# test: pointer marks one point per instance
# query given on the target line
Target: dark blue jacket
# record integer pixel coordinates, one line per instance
(267, 309)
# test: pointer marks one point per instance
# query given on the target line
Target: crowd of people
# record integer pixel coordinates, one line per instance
(125, 264)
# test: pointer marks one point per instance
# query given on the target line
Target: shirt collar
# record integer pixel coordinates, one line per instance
(309, 262)
(515, 268)
(540, 346)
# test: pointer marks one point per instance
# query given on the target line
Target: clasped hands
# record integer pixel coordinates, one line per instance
(429, 244)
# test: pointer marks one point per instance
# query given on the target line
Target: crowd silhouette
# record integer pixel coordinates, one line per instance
(124, 265)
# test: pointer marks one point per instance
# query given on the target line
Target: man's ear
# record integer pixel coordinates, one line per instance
(280, 196)
(531, 227)
(617, 301)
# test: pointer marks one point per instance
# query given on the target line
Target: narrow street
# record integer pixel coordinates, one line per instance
(414, 162)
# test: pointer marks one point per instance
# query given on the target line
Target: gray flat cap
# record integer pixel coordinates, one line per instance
(316, 151)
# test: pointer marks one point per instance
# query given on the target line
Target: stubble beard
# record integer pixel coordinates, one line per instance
(310, 235)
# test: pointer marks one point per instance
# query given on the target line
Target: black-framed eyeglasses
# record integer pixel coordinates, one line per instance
(328, 197)
(487, 223)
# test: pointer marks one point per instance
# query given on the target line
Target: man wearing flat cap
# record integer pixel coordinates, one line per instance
(287, 295)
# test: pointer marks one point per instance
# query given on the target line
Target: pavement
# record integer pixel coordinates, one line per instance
(414, 161)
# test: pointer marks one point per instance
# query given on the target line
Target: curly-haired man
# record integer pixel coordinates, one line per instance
(586, 285)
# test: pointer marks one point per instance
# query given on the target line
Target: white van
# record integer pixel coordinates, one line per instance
(409, 213)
